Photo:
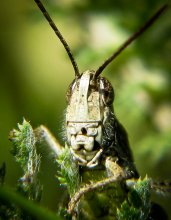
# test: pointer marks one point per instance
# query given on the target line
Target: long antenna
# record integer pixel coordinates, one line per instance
(59, 35)
(131, 39)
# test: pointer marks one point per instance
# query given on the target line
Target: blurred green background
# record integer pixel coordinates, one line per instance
(35, 73)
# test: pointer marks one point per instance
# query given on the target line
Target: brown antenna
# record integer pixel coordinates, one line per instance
(59, 35)
(131, 39)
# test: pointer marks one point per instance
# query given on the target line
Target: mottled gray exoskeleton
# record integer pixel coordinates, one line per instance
(93, 133)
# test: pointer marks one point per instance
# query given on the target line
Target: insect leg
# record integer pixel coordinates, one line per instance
(118, 177)
(43, 134)
(113, 168)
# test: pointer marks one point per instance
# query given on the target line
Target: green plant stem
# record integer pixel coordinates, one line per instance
(36, 211)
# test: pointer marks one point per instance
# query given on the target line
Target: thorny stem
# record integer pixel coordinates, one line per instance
(161, 186)
(75, 199)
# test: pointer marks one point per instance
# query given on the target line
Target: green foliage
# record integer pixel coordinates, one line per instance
(18, 205)
(24, 145)
(69, 171)
(8, 196)
(24, 150)
(138, 205)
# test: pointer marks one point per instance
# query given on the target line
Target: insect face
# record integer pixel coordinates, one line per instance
(89, 101)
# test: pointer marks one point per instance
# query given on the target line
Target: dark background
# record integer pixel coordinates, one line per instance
(35, 73)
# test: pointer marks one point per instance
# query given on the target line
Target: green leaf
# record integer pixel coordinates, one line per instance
(9, 196)
(69, 171)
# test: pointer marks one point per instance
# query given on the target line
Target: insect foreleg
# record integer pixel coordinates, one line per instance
(94, 186)
(113, 169)
(44, 135)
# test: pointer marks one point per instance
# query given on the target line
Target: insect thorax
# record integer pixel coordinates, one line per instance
(89, 106)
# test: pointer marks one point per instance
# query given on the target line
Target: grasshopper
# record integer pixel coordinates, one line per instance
(97, 142)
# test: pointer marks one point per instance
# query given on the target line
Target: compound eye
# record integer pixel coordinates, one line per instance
(70, 91)
(107, 92)
(68, 94)
(109, 97)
